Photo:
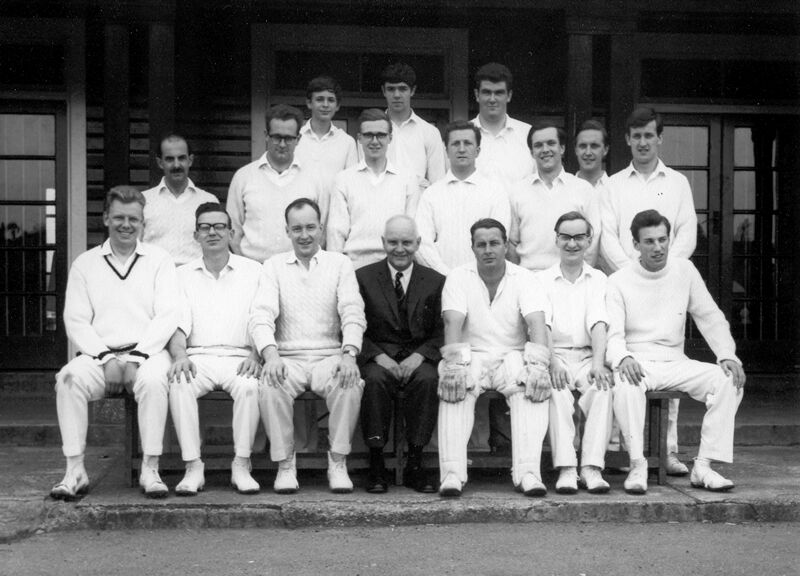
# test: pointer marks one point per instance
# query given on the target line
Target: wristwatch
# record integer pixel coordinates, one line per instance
(350, 352)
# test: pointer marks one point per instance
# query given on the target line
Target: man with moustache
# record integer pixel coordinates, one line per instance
(538, 201)
(170, 206)
(402, 302)
(121, 307)
(495, 336)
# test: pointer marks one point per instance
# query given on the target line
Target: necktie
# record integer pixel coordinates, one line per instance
(398, 286)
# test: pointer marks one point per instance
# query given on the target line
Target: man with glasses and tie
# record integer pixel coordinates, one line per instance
(211, 350)
(261, 190)
(368, 194)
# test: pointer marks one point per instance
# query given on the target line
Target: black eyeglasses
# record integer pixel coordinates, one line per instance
(368, 136)
(578, 238)
(206, 228)
(278, 138)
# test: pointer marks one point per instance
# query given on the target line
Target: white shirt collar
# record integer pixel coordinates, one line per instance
(263, 162)
(162, 186)
(105, 248)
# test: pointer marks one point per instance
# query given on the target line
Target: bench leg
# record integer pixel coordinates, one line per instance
(131, 439)
(399, 437)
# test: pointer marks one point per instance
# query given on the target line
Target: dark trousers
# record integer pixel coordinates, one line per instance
(421, 404)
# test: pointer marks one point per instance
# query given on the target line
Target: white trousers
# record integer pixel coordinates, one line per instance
(315, 373)
(214, 373)
(82, 381)
(528, 419)
(596, 406)
(702, 381)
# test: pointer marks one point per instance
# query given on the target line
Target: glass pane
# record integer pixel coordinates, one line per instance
(743, 233)
(25, 226)
(744, 190)
(745, 319)
(743, 155)
(15, 315)
(27, 134)
(702, 234)
(698, 180)
(701, 263)
(746, 272)
(685, 146)
(27, 180)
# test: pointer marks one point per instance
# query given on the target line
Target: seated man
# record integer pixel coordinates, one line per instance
(577, 299)
(647, 303)
(121, 308)
(491, 309)
(307, 322)
(402, 301)
(211, 350)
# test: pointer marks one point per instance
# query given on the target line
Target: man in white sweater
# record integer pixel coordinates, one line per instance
(368, 194)
(307, 322)
(644, 185)
(120, 310)
(495, 339)
(261, 190)
(647, 303)
(538, 201)
(451, 205)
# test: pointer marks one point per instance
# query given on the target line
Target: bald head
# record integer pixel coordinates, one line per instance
(400, 241)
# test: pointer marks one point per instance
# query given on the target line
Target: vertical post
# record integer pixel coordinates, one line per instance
(116, 106)
(161, 88)
(624, 71)
(579, 86)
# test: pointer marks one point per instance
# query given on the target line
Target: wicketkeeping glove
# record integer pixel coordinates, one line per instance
(454, 372)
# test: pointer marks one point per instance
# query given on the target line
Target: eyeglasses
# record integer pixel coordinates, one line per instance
(219, 228)
(369, 136)
(280, 138)
(578, 238)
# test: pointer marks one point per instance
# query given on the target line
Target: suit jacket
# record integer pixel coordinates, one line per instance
(424, 299)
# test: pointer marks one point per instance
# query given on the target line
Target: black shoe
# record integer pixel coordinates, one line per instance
(418, 479)
(376, 483)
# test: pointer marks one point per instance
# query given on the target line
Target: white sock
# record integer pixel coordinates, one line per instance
(702, 463)
(150, 462)
(189, 464)
(242, 461)
(74, 463)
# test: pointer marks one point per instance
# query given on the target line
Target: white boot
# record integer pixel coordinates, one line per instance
(241, 480)
(338, 479)
(286, 480)
(193, 480)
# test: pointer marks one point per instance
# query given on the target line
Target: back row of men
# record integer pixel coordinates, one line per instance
(305, 321)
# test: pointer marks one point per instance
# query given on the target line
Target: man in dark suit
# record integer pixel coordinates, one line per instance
(402, 302)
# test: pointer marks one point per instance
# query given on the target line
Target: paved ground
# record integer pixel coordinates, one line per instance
(460, 550)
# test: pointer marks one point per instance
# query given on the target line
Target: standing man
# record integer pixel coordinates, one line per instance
(648, 184)
(576, 292)
(261, 190)
(120, 310)
(416, 147)
(369, 193)
(323, 147)
(403, 303)
(450, 206)
(591, 149)
(211, 349)
(307, 322)
(170, 206)
(539, 200)
(504, 152)
(495, 339)
(647, 304)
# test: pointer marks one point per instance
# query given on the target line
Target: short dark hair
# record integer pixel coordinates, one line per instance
(285, 112)
(544, 125)
(488, 223)
(648, 219)
(299, 203)
(641, 117)
(494, 72)
(397, 73)
(206, 207)
(569, 217)
(174, 138)
(461, 125)
(372, 115)
(593, 125)
(125, 194)
(321, 84)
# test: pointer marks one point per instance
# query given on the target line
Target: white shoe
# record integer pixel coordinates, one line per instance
(338, 479)
(593, 480)
(193, 480)
(75, 483)
(451, 486)
(532, 485)
(567, 482)
(675, 467)
(636, 482)
(286, 480)
(241, 480)
(705, 477)
(151, 483)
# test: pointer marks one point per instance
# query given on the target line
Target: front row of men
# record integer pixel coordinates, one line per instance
(533, 338)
